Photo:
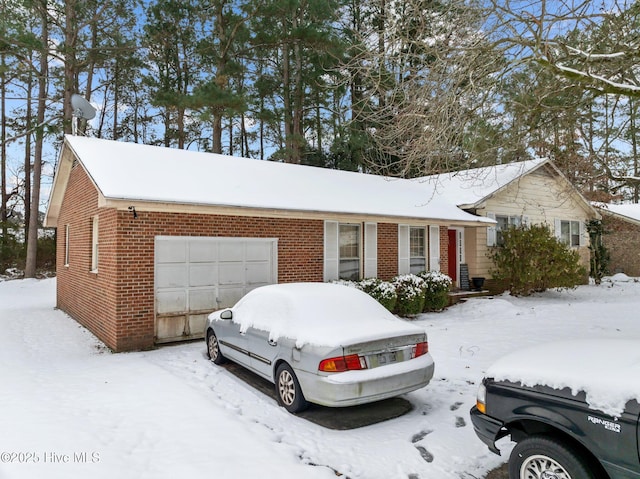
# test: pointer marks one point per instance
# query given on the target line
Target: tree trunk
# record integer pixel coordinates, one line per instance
(32, 243)
(3, 166)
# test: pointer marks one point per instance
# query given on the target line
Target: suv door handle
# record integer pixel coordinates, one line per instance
(273, 343)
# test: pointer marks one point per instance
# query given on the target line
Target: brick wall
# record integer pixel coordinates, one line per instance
(622, 242)
(117, 302)
(89, 297)
(387, 250)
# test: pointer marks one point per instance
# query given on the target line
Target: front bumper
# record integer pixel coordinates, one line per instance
(351, 388)
(489, 430)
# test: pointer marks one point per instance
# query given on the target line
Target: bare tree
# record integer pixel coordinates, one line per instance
(424, 78)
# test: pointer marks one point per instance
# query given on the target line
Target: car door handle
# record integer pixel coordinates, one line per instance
(273, 343)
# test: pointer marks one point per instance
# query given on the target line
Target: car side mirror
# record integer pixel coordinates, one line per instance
(226, 314)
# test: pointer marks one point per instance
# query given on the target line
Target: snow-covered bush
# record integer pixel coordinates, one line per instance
(437, 287)
(410, 290)
(382, 291)
(347, 282)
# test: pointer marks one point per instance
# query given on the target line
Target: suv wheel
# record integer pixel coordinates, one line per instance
(546, 458)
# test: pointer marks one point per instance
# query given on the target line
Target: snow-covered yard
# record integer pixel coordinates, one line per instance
(71, 409)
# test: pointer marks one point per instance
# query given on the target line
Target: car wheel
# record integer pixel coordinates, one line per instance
(288, 389)
(213, 348)
(539, 457)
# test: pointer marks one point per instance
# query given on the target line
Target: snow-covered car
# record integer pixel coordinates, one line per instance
(571, 406)
(322, 343)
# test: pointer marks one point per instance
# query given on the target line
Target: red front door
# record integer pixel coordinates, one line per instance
(453, 255)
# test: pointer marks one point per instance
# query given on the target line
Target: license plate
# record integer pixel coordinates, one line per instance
(387, 358)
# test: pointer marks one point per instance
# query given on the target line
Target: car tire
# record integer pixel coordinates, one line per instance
(536, 455)
(213, 348)
(288, 390)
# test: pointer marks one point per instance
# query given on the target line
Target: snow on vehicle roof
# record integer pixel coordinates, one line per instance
(606, 370)
(131, 171)
(322, 314)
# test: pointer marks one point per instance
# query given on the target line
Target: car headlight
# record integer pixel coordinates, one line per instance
(481, 399)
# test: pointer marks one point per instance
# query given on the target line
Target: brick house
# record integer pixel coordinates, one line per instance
(528, 192)
(622, 224)
(151, 239)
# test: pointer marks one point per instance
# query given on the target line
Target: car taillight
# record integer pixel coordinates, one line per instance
(420, 349)
(343, 363)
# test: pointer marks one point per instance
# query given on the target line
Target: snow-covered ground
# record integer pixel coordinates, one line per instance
(71, 409)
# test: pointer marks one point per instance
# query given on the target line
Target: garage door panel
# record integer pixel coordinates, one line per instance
(171, 275)
(171, 251)
(197, 275)
(258, 251)
(196, 323)
(171, 328)
(200, 299)
(171, 301)
(203, 274)
(231, 273)
(231, 251)
(203, 252)
(229, 296)
(258, 273)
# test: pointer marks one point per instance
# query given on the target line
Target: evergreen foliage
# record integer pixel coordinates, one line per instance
(531, 259)
(599, 260)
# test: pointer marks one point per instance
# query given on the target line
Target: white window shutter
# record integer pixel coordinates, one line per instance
(558, 228)
(583, 234)
(434, 248)
(491, 231)
(403, 249)
(525, 221)
(370, 250)
(331, 251)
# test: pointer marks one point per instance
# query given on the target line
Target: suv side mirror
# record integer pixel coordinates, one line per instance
(226, 314)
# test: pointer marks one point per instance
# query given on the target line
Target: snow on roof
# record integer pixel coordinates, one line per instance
(630, 210)
(131, 171)
(607, 370)
(322, 314)
(468, 187)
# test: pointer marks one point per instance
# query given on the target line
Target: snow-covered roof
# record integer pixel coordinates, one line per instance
(628, 211)
(142, 173)
(469, 187)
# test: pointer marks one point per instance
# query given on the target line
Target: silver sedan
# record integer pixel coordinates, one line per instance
(322, 343)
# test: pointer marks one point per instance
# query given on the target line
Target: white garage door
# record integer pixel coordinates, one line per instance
(195, 275)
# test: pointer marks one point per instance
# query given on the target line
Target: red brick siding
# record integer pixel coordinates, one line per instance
(444, 249)
(387, 250)
(89, 297)
(117, 303)
(621, 241)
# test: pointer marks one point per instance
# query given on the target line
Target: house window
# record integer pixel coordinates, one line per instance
(504, 223)
(349, 251)
(569, 233)
(417, 250)
(66, 245)
(94, 244)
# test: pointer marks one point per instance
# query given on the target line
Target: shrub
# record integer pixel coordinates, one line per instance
(532, 259)
(381, 291)
(599, 261)
(410, 290)
(437, 287)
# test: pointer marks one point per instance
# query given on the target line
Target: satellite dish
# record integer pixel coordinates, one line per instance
(82, 108)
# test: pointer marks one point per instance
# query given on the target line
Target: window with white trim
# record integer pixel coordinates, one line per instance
(94, 244)
(503, 222)
(417, 250)
(66, 245)
(349, 251)
(568, 232)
